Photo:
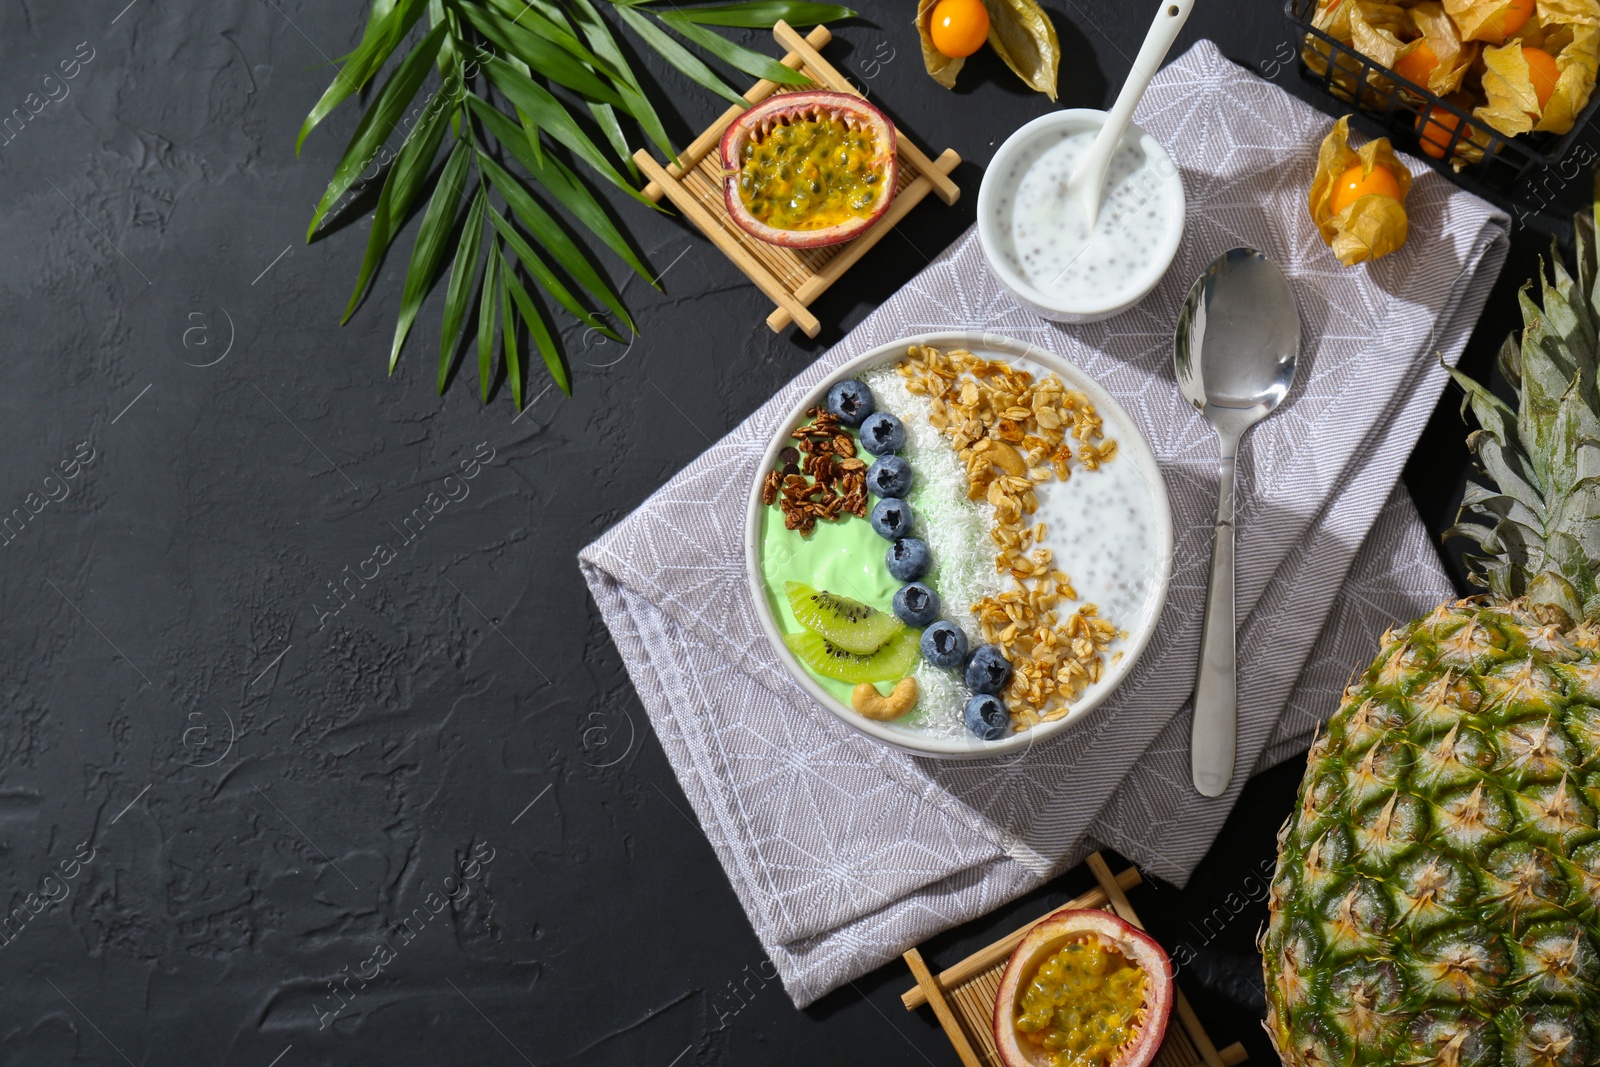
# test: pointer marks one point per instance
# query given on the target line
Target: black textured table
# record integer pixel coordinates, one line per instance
(238, 768)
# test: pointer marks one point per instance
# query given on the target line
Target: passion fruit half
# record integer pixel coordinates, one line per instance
(1084, 989)
(810, 168)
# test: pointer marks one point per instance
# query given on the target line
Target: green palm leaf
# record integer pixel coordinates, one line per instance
(427, 255)
(552, 117)
(530, 129)
(508, 333)
(399, 195)
(540, 31)
(535, 265)
(604, 43)
(732, 54)
(462, 273)
(379, 121)
(563, 184)
(375, 24)
(674, 53)
(385, 30)
(606, 117)
(488, 305)
(762, 14)
(517, 55)
(539, 330)
(553, 238)
(549, 59)
(549, 22)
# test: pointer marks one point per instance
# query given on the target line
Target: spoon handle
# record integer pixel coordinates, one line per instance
(1216, 691)
(1090, 173)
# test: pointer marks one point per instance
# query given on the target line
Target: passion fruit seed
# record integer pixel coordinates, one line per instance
(810, 171)
(1083, 1004)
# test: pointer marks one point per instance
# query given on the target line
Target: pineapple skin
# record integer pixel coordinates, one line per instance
(1438, 882)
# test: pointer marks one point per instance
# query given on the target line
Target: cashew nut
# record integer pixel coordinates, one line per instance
(870, 703)
(1007, 459)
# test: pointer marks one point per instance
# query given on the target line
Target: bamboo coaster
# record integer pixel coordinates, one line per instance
(963, 995)
(790, 277)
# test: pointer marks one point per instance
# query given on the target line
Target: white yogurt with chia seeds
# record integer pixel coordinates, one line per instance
(1039, 243)
(1050, 245)
(1102, 527)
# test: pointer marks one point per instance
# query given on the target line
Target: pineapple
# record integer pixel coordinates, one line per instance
(1437, 898)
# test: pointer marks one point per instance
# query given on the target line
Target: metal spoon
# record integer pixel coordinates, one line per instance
(1089, 176)
(1235, 349)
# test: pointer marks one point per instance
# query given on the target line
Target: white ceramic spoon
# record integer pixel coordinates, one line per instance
(1085, 185)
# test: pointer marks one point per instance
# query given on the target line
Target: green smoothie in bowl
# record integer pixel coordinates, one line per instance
(959, 551)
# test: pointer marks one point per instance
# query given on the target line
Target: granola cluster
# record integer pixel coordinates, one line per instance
(1012, 434)
(820, 477)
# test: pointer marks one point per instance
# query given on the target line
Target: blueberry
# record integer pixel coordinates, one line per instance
(944, 645)
(988, 670)
(889, 476)
(882, 434)
(987, 717)
(908, 559)
(916, 604)
(891, 517)
(851, 401)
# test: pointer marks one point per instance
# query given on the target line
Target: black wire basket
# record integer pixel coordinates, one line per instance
(1457, 144)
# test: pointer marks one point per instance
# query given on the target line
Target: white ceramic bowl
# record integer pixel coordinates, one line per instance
(1132, 448)
(994, 223)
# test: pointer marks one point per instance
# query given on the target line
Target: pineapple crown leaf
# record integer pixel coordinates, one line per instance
(1536, 523)
(1475, 530)
(1510, 361)
(1500, 505)
(1507, 467)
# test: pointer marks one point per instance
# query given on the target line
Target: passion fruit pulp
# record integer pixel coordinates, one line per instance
(808, 169)
(1083, 989)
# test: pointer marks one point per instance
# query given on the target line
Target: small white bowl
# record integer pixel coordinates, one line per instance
(1132, 449)
(994, 215)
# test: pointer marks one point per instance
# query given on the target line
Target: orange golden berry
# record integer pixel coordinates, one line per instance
(1497, 30)
(1542, 72)
(1417, 65)
(1434, 131)
(959, 27)
(1353, 185)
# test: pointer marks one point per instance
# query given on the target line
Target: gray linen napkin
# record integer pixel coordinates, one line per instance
(844, 852)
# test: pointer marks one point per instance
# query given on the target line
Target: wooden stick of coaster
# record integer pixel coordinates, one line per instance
(941, 1008)
(1186, 1015)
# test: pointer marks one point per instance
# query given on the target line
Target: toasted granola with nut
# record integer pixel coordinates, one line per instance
(820, 476)
(1012, 434)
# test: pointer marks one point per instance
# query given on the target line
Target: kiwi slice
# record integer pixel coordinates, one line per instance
(888, 664)
(847, 624)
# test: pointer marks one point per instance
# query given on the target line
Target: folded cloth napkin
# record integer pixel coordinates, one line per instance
(845, 852)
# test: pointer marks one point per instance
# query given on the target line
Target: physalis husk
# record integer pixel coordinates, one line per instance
(1378, 30)
(1490, 21)
(1374, 34)
(1541, 82)
(1374, 223)
(1439, 59)
(1335, 19)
